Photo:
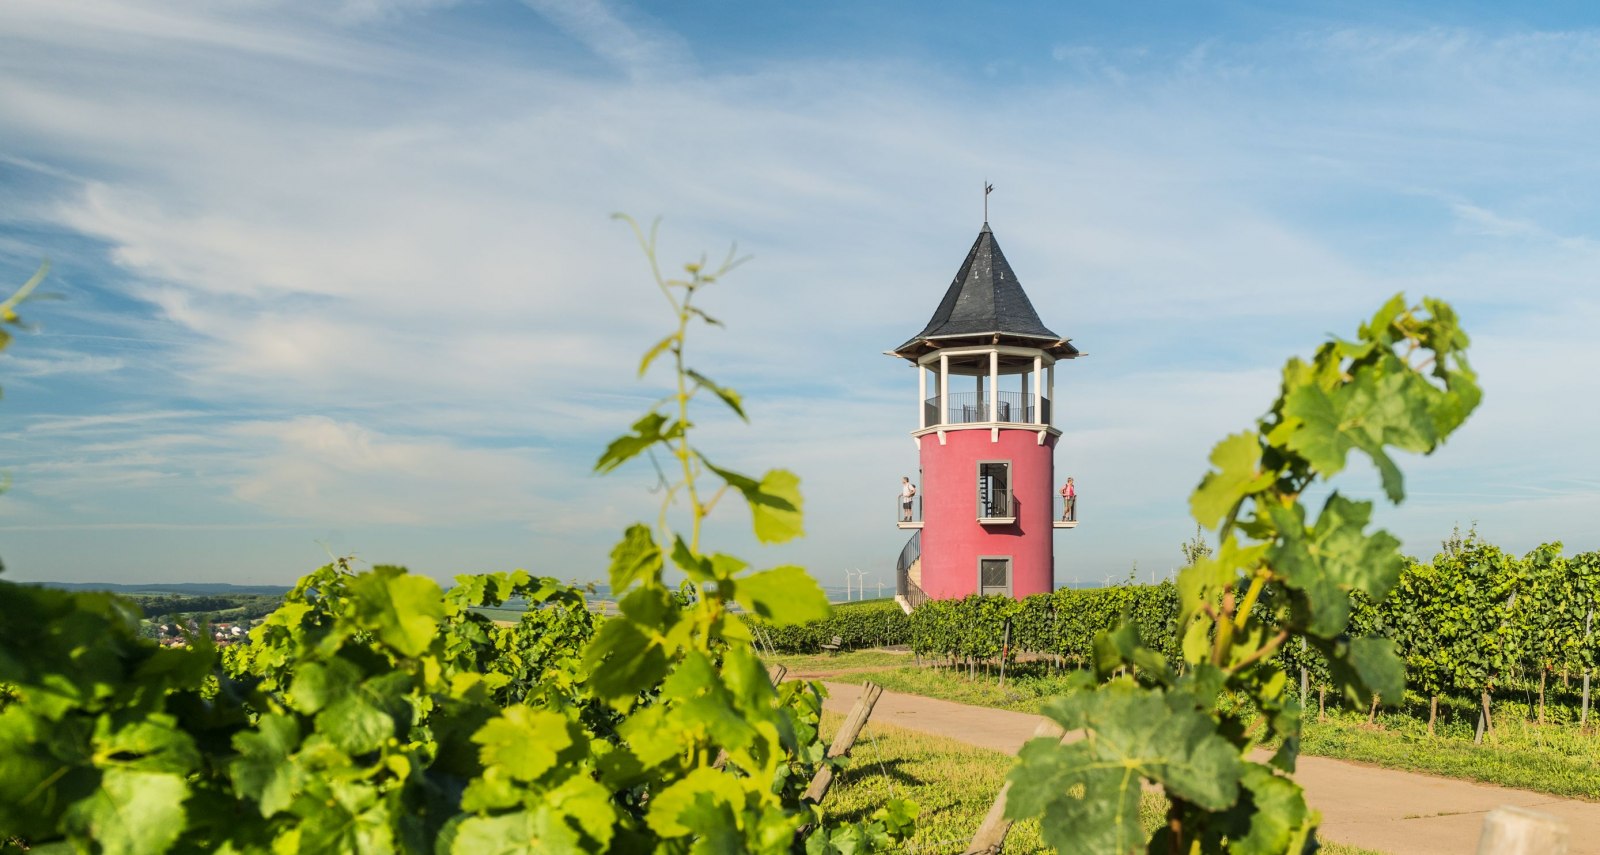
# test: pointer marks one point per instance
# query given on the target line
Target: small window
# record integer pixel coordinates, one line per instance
(994, 489)
(994, 576)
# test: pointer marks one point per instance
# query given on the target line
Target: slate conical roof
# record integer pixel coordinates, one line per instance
(985, 299)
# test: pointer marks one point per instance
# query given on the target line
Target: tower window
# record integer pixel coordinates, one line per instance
(994, 576)
(994, 490)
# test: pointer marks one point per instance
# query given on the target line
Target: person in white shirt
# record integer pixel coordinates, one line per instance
(907, 493)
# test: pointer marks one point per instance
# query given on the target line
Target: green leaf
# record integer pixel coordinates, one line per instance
(622, 661)
(262, 770)
(636, 557)
(1275, 813)
(403, 610)
(355, 724)
(317, 684)
(775, 504)
(692, 804)
(131, 812)
(1366, 666)
(646, 432)
(1238, 474)
(655, 351)
(524, 742)
(1332, 559)
(507, 834)
(1130, 734)
(728, 396)
(783, 596)
(697, 568)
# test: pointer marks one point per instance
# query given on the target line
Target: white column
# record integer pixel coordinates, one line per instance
(944, 390)
(1038, 408)
(994, 385)
(1055, 405)
(922, 395)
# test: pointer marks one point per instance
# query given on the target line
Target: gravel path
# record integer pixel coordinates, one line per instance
(1404, 813)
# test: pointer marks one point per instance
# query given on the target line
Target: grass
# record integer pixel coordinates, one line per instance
(1025, 689)
(953, 783)
(811, 663)
(510, 615)
(1553, 758)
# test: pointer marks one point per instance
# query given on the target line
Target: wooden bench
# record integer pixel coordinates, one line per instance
(833, 646)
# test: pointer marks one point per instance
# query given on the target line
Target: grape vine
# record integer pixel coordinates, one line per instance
(1188, 723)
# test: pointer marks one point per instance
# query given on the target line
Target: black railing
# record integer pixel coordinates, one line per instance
(969, 407)
(911, 514)
(903, 586)
(997, 506)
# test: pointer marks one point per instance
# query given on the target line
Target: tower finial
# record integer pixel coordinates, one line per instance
(987, 189)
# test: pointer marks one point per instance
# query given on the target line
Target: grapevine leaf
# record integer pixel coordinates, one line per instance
(697, 803)
(355, 724)
(316, 684)
(636, 557)
(403, 610)
(646, 432)
(622, 661)
(1238, 474)
(1275, 813)
(1130, 734)
(783, 596)
(775, 503)
(524, 742)
(1366, 666)
(1332, 559)
(131, 812)
(263, 769)
(655, 351)
(507, 834)
(697, 568)
(728, 396)
(1325, 420)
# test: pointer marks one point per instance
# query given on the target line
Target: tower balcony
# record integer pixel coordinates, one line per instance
(962, 408)
(1068, 517)
(911, 518)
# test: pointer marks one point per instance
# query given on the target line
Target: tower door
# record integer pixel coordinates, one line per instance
(994, 576)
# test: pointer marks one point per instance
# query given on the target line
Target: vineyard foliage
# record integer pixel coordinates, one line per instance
(1063, 623)
(1188, 723)
(375, 712)
(856, 625)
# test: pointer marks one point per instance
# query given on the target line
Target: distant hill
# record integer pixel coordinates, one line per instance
(187, 588)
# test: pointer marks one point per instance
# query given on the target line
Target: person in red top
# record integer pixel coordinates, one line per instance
(1069, 501)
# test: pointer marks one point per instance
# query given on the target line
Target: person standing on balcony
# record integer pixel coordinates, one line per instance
(908, 491)
(1069, 501)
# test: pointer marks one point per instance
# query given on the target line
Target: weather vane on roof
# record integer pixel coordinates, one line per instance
(987, 189)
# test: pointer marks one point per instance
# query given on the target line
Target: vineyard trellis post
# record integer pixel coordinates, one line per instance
(990, 838)
(1588, 636)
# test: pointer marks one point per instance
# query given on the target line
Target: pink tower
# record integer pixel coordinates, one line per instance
(987, 504)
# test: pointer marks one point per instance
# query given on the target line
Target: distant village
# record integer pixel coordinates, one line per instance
(179, 633)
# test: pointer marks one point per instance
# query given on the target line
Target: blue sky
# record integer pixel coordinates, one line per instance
(341, 279)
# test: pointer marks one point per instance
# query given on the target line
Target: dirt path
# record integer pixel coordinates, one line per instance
(1391, 811)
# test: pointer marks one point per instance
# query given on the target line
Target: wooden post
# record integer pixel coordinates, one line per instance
(1513, 830)
(991, 836)
(1588, 626)
(843, 740)
(1005, 648)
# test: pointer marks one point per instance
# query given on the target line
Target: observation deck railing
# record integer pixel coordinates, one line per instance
(969, 408)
